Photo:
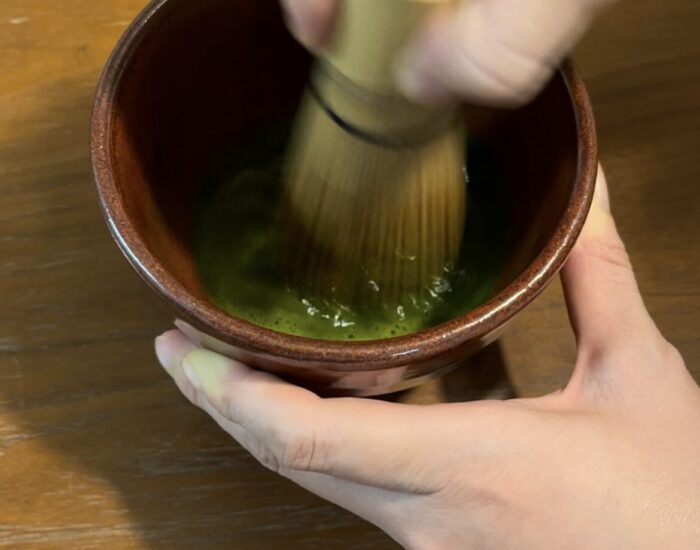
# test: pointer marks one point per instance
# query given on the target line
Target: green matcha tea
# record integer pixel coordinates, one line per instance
(237, 241)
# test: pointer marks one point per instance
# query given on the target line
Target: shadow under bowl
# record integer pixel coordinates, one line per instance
(189, 78)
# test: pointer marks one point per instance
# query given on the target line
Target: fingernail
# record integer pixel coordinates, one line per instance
(602, 196)
(207, 371)
(171, 348)
(191, 375)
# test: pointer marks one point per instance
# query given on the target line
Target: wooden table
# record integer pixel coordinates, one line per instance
(98, 449)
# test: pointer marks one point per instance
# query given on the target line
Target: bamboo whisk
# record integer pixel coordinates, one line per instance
(375, 189)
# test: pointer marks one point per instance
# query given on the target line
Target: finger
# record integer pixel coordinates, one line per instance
(311, 21)
(171, 347)
(305, 433)
(500, 52)
(175, 351)
(604, 303)
(384, 508)
(379, 506)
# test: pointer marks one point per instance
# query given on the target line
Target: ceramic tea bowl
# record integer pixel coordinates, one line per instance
(189, 77)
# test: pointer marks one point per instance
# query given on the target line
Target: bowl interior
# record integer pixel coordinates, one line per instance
(200, 76)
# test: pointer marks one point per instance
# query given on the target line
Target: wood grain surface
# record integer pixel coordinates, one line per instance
(97, 447)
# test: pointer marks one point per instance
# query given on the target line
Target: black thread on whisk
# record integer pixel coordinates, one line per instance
(376, 139)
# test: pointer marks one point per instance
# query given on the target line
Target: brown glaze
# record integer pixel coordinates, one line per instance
(189, 78)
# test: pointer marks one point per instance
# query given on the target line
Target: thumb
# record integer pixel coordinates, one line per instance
(500, 52)
(605, 307)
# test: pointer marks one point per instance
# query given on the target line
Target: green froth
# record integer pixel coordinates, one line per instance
(236, 246)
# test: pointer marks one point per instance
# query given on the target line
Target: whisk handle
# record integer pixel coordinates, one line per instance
(370, 34)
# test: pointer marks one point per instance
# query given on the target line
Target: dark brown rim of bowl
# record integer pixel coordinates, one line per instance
(378, 354)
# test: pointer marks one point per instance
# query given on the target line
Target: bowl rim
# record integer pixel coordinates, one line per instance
(476, 324)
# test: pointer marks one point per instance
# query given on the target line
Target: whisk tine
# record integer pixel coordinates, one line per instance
(368, 215)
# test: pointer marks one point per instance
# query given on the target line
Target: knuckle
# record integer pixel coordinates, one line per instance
(502, 85)
(521, 77)
(269, 460)
(524, 81)
(196, 397)
(670, 355)
(512, 94)
(227, 407)
(301, 451)
(610, 251)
